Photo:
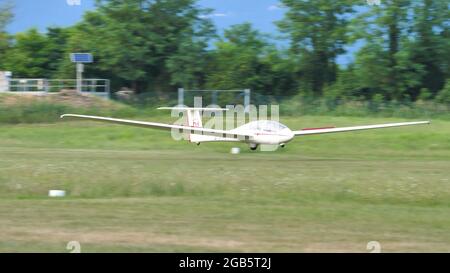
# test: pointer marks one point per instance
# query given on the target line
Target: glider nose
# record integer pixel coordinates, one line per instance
(288, 135)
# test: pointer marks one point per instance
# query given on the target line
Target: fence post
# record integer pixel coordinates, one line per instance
(214, 98)
(46, 89)
(180, 96)
(247, 100)
(80, 70)
(108, 88)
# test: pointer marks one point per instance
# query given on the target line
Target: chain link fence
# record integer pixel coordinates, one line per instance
(98, 87)
(303, 105)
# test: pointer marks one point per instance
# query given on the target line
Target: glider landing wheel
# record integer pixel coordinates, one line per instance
(253, 147)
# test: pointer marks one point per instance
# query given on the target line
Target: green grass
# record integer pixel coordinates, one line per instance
(137, 190)
(15, 108)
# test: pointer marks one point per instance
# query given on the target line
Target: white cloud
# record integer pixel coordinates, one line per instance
(273, 7)
(217, 14)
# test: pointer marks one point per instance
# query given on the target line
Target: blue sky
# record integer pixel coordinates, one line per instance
(46, 13)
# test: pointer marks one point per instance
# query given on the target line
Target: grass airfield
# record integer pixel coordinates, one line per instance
(137, 190)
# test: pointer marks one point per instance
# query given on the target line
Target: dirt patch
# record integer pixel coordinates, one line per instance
(64, 97)
(118, 237)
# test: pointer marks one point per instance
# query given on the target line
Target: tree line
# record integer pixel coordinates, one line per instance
(160, 45)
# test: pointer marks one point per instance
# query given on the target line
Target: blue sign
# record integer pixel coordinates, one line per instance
(82, 58)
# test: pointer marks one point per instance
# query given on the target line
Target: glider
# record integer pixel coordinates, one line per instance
(255, 133)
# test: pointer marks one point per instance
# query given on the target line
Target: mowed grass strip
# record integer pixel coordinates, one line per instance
(137, 190)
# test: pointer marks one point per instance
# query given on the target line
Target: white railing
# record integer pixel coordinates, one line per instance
(98, 87)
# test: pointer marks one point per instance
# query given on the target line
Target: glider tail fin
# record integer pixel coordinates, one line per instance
(194, 118)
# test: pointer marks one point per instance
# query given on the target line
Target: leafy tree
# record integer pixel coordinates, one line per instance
(431, 47)
(385, 65)
(236, 61)
(77, 41)
(444, 95)
(346, 86)
(188, 63)
(318, 33)
(158, 45)
(6, 16)
(37, 55)
(281, 72)
(424, 94)
(244, 58)
(407, 48)
(28, 58)
(148, 44)
(57, 39)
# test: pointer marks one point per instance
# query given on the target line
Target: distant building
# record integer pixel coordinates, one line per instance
(5, 76)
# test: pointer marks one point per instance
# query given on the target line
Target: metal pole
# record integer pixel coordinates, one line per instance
(247, 100)
(80, 68)
(93, 86)
(214, 98)
(108, 89)
(180, 96)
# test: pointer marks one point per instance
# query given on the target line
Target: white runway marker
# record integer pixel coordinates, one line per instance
(235, 150)
(56, 193)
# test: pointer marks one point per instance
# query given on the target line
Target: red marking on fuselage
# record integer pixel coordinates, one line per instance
(268, 134)
(311, 129)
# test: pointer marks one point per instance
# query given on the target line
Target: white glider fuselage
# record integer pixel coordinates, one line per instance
(266, 132)
(262, 132)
